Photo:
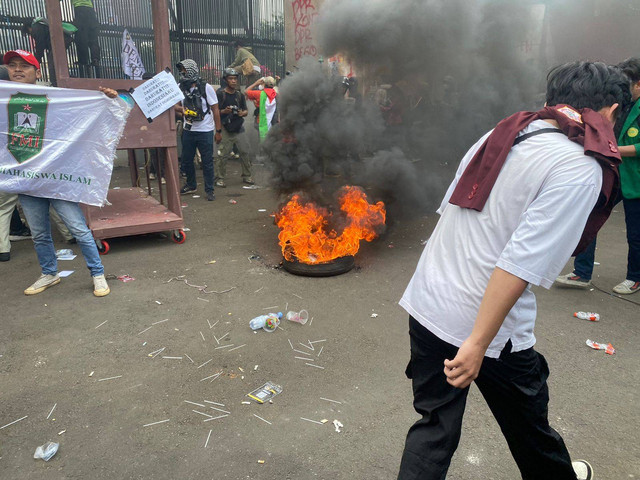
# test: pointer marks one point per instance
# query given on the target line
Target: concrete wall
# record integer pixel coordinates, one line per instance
(301, 38)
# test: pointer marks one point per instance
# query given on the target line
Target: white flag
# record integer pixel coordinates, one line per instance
(131, 61)
(58, 142)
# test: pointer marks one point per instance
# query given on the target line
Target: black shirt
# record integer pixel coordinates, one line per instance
(232, 122)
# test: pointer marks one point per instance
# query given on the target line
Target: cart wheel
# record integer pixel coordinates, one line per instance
(179, 236)
(103, 247)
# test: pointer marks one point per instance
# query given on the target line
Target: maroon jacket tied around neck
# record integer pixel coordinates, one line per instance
(586, 127)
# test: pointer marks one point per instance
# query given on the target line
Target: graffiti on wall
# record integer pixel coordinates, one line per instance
(304, 15)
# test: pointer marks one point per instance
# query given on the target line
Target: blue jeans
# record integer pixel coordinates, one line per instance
(36, 210)
(583, 264)
(203, 141)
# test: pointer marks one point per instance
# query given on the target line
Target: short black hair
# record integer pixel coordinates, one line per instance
(238, 44)
(631, 68)
(26, 25)
(593, 85)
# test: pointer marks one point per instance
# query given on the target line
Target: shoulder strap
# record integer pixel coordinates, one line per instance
(524, 137)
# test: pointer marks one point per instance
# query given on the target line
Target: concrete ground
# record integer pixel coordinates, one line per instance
(61, 348)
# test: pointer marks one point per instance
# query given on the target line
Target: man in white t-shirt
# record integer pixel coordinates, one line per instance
(472, 312)
(200, 112)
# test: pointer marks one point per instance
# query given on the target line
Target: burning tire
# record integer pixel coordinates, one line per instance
(329, 269)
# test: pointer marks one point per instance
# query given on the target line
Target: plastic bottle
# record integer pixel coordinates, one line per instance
(268, 322)
(594, 317)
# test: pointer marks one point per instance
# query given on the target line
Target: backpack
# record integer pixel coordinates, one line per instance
(193, 102)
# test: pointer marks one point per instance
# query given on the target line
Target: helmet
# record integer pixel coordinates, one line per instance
(230, 72)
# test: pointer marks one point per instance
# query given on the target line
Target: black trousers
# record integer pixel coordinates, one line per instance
(515, 388)
(87, 35)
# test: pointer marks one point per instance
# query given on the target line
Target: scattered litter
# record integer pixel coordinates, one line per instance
(196, 404)
(46, 451)
(109, 378)
(202, 336)
(265, 421)
(214, 375)
(268, 322)
(160, 321)
(202, 413)
(201, 288)
(321, 348)
(214, 403)
(145, 329)
(91, 374)
(224, 346)
(65, 254)
(215, 418)
(241, 369)
(156, 352)
(265, 392)
(251, 187)
(594, 317)
(173, 358)
(125, 278)
(307, 346)
(258, 290)
(189, 358)
(391, 245)
(246, 403)
(312, 365)
(608, 348)
(311, 321)
(61, 432)
(303, 358)
(301, 352)
(262, 209)
(211, 262)
(185, 229)
(203, 299)
(255, 368)
(261, 462)
(102, 324)
(159, 303)
(208, 436)
(219, 410)
(195, 196)
(155, 423)
(596, 263)
(54, 407)
(312, 421)
(290, 343)
(235, 348)
(329, 400)
(224, 336)
(297, 296)
(65, 273)
(338, 425)
(15, 421)
(300, 317)
(233, 202)
(205, 363)
(317, 341)
(374, 315)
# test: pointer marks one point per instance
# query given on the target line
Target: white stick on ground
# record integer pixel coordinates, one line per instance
(297, 296)
(15, 421)
(155, 423)
(312, 421)
(258, 416)
(203, 299)
(317, 341)
(267, 308)
(215, 418)
(300, 351)
(320, 350)
(189, 358)
(290, 343)
(259, 289)
(202, 336)
(160, 321)
(220, 338)
(54, 407)
(102, 324)
(145, 330)
(214, 403)
(207, 378)
(329, 400)
(224, 346)
(303, 358)
(205, 363)
(307, 346)
(159, 352)
(311, 321)
(235, 348)
(194, 403)
(173, 358)
(109, 378)
(201, 413)
(220, 410)
(208, 436)
(312, 365)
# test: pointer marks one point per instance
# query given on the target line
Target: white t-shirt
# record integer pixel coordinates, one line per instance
(529, 226)
(206, 124)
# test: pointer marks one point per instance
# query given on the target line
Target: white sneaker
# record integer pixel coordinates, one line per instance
(100, 287)
(152, 176)
(584, 471)
(627, 287)
(573, 280)
(44, 282)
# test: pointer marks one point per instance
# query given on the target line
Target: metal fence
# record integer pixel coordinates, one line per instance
(203, 30)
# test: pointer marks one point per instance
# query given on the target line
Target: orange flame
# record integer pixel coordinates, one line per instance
(303, 227)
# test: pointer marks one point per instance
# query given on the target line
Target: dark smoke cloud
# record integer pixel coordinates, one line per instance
(450, 70)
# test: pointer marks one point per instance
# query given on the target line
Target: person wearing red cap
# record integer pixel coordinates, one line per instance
(24, 68)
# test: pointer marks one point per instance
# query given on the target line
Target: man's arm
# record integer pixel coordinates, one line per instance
(243, 112)
(239, 60)
(501, 294)
(216, 119)
(630, 150)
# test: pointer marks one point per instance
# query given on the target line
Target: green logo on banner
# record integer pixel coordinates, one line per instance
(27, 114)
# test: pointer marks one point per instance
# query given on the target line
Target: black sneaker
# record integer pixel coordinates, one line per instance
(24, 234)
(211, 196)
(5, 257)
(187, 189)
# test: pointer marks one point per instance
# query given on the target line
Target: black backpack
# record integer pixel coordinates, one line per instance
(193, 102)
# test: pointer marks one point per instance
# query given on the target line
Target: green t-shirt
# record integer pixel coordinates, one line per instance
(630, 167)
(82, 3)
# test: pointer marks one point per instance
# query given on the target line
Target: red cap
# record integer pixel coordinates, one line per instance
(23, 54)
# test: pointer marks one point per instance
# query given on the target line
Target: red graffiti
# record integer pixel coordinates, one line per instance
(304, 14)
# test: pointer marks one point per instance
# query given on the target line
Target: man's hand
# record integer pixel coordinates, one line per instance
(226, 111)
(465, 367)
(243, 113)
(218, 137)
(109, 92)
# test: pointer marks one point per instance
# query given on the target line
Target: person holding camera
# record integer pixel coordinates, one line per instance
(200, 111)
(233, 109)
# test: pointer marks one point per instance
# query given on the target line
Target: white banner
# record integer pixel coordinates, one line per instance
(58, 142)
(158, 94)
(131, 61)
